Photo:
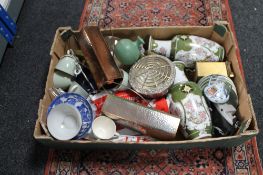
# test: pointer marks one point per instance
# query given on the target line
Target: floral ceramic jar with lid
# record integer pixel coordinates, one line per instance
(188, 103)
(188, 48)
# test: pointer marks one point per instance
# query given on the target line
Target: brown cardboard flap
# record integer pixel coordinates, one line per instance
(72, 43)
(203, 141)
(253, 124)
(244, 111)
(58, 46)
(43, 120)
(222, 36)
(219, 34)
(229, 44)
(37, 131)
(38, 135)
(49, 82)
(164, 33)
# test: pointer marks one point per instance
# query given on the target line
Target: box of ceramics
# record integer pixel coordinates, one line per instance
(156, 87)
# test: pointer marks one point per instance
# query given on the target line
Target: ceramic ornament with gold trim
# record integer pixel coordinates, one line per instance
(152, 76)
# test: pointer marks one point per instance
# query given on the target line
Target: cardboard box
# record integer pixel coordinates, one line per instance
(224, 37)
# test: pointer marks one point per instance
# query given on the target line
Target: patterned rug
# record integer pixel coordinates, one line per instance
(240, 160)
(138, 13)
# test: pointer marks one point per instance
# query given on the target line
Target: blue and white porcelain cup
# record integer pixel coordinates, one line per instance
(81, 105)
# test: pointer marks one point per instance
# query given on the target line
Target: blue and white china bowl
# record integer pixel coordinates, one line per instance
(82, 105)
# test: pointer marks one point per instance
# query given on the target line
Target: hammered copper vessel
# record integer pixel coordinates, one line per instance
(98, 57)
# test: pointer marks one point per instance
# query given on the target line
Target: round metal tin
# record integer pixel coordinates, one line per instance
(152, 76)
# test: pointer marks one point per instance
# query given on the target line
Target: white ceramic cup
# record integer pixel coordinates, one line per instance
(64, 122)
(68, 63)
(76, 88)
(104, 128)
(61, 80)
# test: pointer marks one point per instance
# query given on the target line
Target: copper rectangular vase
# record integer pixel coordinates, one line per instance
(98, 57)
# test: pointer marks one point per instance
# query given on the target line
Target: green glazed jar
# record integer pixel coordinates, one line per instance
(127, 51)
(188, 48)
(188, 103)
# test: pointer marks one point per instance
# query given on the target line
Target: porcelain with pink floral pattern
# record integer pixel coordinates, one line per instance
(188, 103)
(188, 48)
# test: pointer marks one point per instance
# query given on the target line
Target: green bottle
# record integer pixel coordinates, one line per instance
(127, 51)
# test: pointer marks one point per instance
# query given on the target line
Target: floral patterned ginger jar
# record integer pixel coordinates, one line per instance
(188, 103)
(188, 48)
(128, 51)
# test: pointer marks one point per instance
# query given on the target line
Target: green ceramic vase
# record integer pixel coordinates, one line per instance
(188, 48)
(127, 51)
(188, 103)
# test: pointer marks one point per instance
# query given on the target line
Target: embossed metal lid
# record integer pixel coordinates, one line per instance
(152, 76)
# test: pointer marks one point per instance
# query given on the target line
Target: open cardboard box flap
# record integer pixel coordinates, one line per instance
(222, 34)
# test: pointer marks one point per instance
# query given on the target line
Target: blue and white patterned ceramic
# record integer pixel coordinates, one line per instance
(83, 106)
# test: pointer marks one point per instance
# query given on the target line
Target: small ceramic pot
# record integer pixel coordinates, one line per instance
(189, 49)
(68, 63)
(61, 80)
(180, 74)
(104, 128)
(189, 105)
(128, 51)
(64, 122)
(79, 103)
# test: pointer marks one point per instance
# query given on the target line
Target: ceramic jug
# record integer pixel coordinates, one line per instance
(188, 48)
(190, 106)
(128, 51)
